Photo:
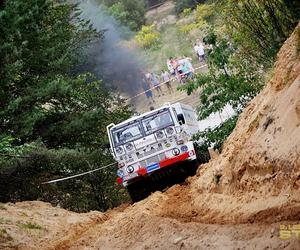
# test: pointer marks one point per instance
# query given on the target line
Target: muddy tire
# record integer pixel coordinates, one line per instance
(138, 190)
(161, 180)
(202, 154)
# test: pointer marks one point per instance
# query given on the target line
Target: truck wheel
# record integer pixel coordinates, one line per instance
(202, 154)
(138, 190)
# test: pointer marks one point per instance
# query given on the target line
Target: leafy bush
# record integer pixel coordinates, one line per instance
(186, 12)
(260, 27)
(181, 5)
(186, 28)
(147, 37)
(229, 80)
(5, 144)
(215, 137)
(204, 13)
(21, 178)
(130, 13)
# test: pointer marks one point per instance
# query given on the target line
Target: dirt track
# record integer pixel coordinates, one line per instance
(140, 226)
(259, 190)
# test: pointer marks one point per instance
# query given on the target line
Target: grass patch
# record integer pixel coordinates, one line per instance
(29, 225)
(4, 235)
(24, 214)
(173, 44)
(4, 221)
(2, 207)
(217, 178)
(2, 232)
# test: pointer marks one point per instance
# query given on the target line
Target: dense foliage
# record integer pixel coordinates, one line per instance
(260, 27)
(180, 5)
(147, 37)
(130, 13)
(229, 80)
(215, 137)
(24, 168)
(52, 121)
(244, 42)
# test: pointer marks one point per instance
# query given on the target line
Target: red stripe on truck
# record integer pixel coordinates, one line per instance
(173, 160)
(142, 171)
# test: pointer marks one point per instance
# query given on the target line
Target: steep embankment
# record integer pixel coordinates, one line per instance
(238, 200)
(259, 169)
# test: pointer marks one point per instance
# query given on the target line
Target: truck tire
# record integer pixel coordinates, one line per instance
(138, 190)
(202, 154)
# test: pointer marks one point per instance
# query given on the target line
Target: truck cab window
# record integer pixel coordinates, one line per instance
(157, 122)
(180, 118)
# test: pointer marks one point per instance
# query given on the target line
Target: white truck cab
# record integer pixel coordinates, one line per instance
(152, 141)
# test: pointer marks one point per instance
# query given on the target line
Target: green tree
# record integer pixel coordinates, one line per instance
(56, 117)
(130, 13)
(39, 46)
(180, 5)
(260, 27)
(215, 137)
(230, 80)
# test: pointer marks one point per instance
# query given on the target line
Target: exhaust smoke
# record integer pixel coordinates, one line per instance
(109, 59)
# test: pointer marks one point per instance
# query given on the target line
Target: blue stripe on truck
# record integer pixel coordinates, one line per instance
(152, 167)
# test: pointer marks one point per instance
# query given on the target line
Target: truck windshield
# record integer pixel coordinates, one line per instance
(157, 122)
(126, 133)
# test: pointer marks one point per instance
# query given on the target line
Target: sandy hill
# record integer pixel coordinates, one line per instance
(237, 201)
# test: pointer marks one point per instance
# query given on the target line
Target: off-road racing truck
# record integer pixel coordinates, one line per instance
(154, 150)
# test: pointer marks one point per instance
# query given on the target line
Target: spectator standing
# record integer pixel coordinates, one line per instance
(166, 78)
(187, 61)
(170, 67)
(155, 83)
(199, 49)
(174, 64)
(147, 90)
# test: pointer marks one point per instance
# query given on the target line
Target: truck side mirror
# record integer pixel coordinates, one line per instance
(180, 118)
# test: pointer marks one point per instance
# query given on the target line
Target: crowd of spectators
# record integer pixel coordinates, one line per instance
(179, 68)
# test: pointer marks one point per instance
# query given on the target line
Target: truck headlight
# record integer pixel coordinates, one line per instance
(119, 150)
(120, 173)
(178, 129)
(129, 146)
(130, 169)
(159, 134)
(175, 151)
(184, 148)
(169, 130)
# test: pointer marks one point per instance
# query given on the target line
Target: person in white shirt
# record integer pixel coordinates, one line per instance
(170, 67)
(199, 49)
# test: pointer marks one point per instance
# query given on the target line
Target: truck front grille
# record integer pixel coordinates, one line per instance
(153, 150)
(153, 159)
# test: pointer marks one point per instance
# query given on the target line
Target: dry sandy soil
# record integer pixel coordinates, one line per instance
(258, 191)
